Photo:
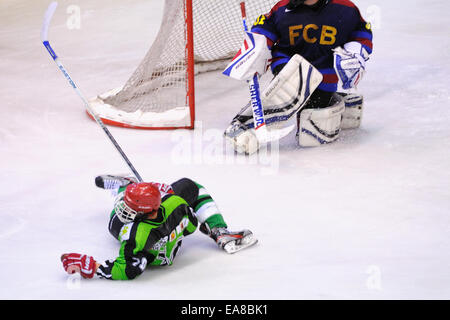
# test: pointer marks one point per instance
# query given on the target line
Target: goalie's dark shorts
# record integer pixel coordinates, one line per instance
(319, 99)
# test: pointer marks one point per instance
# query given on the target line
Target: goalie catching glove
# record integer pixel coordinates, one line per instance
(350, 64)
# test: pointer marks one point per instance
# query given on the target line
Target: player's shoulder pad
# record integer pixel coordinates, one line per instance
(277, 6)
(347, 7)
(281, 3)
(346, 3)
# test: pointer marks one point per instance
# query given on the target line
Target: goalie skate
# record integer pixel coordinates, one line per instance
(231, 241)
(112, 182)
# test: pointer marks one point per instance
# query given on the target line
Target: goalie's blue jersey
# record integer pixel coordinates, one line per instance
(313, 33)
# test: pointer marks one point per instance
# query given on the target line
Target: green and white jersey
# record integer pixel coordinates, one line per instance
(149, 242)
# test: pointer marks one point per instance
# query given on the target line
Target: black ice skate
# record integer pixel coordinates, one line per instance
(230, 241)
(111, 182)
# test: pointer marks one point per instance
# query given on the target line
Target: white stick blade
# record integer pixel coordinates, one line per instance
(268, 135)
(47, 18)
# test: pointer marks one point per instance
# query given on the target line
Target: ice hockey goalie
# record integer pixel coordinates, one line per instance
(328, 35)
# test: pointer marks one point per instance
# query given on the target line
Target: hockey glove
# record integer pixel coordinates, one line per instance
(85, 265)
(350, 64)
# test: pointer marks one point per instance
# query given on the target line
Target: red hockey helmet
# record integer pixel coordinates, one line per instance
(142, 197)
(138, 198)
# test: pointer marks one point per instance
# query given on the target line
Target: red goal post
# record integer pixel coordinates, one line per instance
(195, 36)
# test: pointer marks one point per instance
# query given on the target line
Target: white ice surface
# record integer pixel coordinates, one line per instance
(366, 217)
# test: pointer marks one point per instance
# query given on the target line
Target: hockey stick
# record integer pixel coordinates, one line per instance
(44, 37)
(263, 134)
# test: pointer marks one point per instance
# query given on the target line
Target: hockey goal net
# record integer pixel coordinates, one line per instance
(195, 36)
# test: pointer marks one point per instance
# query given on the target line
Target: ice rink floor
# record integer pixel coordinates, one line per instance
(364, 218)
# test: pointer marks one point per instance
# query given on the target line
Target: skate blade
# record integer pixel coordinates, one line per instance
(233, 247)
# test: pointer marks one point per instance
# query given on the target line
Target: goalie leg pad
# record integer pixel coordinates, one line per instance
(284, 96)
(351, 118)
(286, 93)
(320, 126)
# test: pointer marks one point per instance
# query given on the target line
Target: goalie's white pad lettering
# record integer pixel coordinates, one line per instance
(320, 126)
(252, 58)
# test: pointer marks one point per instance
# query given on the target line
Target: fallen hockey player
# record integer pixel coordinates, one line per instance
(315, 48)
(150, 220)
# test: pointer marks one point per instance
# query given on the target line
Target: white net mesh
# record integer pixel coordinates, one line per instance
(157, 94)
